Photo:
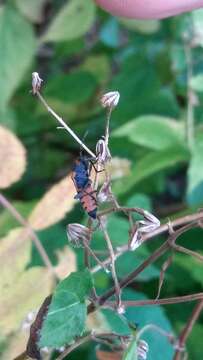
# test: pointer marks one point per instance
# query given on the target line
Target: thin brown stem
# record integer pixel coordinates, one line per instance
(78, 343)
(7, 205)
(166, 301)
(113, 269)
(188, 329)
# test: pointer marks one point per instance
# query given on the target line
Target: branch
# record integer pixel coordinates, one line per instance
(167, 301)
(7, 205)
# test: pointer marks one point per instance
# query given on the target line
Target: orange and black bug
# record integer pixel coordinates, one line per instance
(83, 184)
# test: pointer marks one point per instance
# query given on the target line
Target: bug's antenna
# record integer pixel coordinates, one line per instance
(83, 139)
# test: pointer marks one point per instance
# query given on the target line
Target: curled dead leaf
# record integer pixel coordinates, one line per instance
(54, 205)
(108, 355)
(12, 158)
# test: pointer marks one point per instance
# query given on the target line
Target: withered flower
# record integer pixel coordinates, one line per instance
(102, 152)
(36, 82)
(105, 193)
(77, 234)
(142, 350)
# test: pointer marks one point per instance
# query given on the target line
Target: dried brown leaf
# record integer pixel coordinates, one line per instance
(12, 158)
(22, 290)
(54, 205)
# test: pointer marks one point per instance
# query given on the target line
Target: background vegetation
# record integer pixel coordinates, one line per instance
(156, 144)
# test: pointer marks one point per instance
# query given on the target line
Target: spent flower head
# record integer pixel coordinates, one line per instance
(102, 152)
(36, 82)
(77, 234)
(110, 100)
(148, 225)
(142, 350)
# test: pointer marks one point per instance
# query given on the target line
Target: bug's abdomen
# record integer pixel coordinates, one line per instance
(88, 201)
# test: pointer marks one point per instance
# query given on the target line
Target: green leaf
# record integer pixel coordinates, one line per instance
(67, 312)
(116, 322)
(142, 26)
(65, 320)
(80, 283)
(131, 260)
(196, 83)
(17, 49)
(197, 17)
(31, 9)
(131, 351)
(153, 131)
(195, 175)
(74, 88)
(73, 20)
(140, 200)
(145, 315)
(150, 165)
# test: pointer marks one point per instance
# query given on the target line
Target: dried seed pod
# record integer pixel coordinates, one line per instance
(142, 350)
(77, 234)
(103, 152)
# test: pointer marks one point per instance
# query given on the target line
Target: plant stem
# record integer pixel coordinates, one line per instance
(7, 205)
(167, 301)
(112, 257)
(187, 329)
(64, 125)
(190, 106)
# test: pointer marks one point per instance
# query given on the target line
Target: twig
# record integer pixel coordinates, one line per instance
(151, 259)
(166, 301)
(112, 256)
(187, 219)
(187, 329)
(164, 268)
(6, 204)
(64, 125)
(186, 251)
(83, 340)
(156, 328)
(78, 342)
(109, 111)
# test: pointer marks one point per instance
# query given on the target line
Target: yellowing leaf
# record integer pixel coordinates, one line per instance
(31, 9)
(66, 262)
(54, 205)
(22, 290)
(12, 158)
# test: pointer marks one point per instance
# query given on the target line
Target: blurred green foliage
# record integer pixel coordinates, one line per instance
(82, 52)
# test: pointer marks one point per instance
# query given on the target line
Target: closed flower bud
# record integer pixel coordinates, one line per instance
(102, 152)
(77, 234)
(36, 82)
(110, 99)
